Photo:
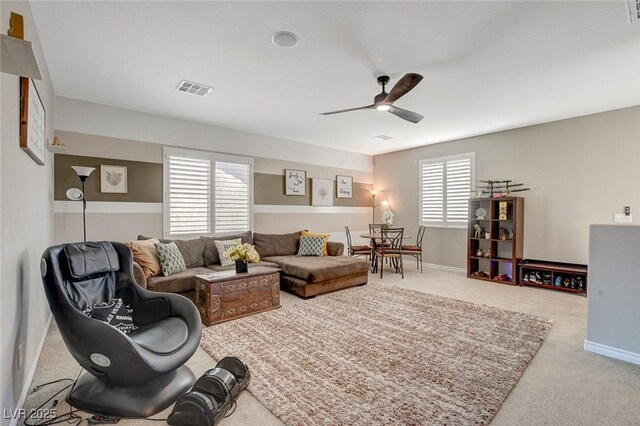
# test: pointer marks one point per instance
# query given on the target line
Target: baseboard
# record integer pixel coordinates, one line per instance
(32, 372)
(612, 352)
(444, 267)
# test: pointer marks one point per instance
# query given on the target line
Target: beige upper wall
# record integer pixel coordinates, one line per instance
(580, 171)
(26, 194)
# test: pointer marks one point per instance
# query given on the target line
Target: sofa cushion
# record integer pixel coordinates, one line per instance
(326, 237)
(316, 269)
(144, 254)
(176, 283)
(276, 244)
(311, 246)
(192, 250)
(170, 258)
(251, 265)
(223, 246)
(211, 255)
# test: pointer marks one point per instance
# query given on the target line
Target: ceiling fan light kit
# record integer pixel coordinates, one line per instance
(384, 101)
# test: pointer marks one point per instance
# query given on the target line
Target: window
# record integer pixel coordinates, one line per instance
(445, 187)
(206, 193)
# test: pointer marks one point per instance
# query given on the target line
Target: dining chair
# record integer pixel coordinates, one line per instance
(390, 249)
(416, 250)
(356, 250)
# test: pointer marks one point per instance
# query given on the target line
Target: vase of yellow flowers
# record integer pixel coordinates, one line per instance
(243, 255)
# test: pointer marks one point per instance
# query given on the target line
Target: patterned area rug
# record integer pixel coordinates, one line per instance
(379, 354)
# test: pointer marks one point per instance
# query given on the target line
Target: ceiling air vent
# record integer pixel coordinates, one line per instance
(193, 88)
(382, 138)
(634, 10)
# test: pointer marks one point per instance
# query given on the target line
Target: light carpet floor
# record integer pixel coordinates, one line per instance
(563, 384)
(380, 354)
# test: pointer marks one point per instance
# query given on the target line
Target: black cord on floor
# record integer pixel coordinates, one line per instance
(70, 417)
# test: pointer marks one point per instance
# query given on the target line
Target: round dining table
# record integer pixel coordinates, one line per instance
(376, 239)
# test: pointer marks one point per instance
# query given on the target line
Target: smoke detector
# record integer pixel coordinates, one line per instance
(381, 138)
(192, 88)
(634, 10)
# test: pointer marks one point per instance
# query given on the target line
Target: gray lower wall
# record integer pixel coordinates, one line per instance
(614, 288)
(580, 171)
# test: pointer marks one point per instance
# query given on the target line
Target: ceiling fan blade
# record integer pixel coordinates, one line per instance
(411, 116)
(347, 110)
(402, 87)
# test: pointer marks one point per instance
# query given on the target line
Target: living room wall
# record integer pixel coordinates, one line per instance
(123, 216)
(26, 223)
(581, 171)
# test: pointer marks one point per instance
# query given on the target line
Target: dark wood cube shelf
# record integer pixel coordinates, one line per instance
(504, 254)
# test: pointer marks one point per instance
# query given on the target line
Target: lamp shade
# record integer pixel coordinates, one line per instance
(83, 171)
(74, 194)
(385, 203)
(374, 192)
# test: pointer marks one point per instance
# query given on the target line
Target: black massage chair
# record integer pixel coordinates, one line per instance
(128, 375)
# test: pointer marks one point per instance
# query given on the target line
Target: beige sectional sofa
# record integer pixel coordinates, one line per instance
(304, 276)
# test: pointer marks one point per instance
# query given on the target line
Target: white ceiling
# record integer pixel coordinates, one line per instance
(487, 66)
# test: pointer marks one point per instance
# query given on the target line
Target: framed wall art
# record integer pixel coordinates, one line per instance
(322, 192)
(32, 121)
(113, 179)
(295, 182)
(344, 186)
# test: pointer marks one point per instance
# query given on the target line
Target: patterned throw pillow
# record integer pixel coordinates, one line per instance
(326, 237)
(225, 245)
(171, 259)
(115, 313)
(311, 246)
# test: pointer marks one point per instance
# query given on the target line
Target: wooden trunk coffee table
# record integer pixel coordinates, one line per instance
(226, 295)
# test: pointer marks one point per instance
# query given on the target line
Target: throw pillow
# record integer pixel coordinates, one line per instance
(225, 245)
(171, 259)
(115, 313)
(311, 246)
(326, 237)
(144, 254)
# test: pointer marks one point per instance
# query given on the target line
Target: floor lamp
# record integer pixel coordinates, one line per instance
(75, 194)
(385, 203)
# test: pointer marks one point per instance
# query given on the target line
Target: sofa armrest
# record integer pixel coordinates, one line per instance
(138, 275)
(335, 248)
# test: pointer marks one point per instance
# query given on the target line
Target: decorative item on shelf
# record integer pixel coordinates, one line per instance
(295, 182)
(502, 188)
(243, 255)
(487, 235)
(487, 255)
(57, 147)
(503, 277)
(479, 253)
(75, 194)
(481, 274)
(385, 203)
(113, 179)
(344, 186)
(479, 231)
(32, 121)
(322, 192)
(480, 213)
(503, 234)
(502, 210)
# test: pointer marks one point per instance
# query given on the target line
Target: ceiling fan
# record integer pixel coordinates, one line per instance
(384, 101)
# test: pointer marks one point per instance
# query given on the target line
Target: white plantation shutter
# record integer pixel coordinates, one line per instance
(232, 197)
(189, 195)
(445, 186)
(206, 193)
